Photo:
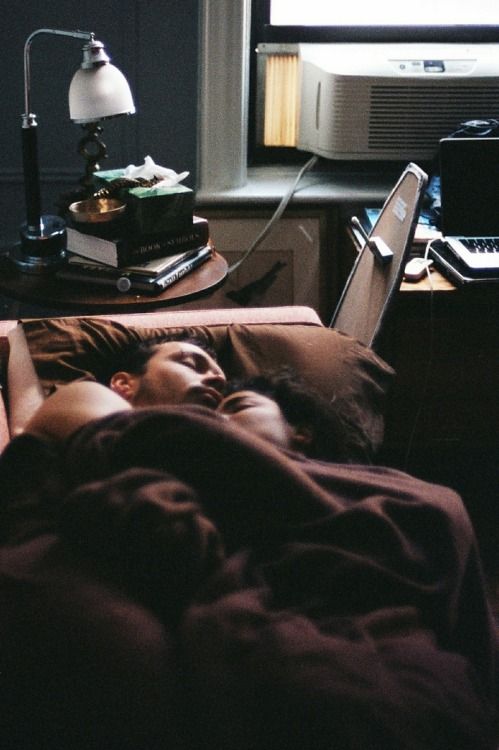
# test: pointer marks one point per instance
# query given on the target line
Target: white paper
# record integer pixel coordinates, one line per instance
(150, 170)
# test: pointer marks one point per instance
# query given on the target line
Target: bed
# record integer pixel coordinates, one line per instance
(167, 582)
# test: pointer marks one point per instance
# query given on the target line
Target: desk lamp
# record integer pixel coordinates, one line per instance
(98, 90)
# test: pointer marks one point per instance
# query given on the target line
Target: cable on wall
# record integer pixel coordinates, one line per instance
(276, 216)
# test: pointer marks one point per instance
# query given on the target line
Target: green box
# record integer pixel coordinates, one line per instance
(153, 210)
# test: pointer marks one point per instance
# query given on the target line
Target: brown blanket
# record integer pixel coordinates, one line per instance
(171, 583)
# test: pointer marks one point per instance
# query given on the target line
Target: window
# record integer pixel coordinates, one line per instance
(230, 31)
(279, 25)
(381, 13)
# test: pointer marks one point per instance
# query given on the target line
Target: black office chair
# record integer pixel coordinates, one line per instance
(377, 272)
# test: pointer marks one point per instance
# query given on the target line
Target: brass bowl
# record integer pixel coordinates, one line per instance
(96, 210)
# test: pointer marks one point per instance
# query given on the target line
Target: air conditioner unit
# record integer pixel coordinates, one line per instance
(392, 101)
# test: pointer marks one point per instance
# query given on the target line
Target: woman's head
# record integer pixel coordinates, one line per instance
(260, 414)
(281, 408)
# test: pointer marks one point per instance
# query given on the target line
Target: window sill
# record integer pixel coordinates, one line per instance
(345, 184)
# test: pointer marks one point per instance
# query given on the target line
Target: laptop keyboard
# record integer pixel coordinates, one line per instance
(481, 244)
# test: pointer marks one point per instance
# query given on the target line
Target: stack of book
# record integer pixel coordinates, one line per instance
(146, 264)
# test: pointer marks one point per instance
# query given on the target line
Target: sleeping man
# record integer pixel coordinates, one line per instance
(206, 575)
(157, 372)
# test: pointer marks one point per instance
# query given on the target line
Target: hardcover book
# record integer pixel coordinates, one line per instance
(127, 280)
(150, 268)
(125, 251)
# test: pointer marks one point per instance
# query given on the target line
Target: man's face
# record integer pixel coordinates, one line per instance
(177, 373)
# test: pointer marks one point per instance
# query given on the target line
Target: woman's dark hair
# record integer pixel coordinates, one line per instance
(302, 406)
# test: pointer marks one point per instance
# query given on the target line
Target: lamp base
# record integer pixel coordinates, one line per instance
(42, 248)
(92, 149)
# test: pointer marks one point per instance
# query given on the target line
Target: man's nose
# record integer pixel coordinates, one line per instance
(215, 378)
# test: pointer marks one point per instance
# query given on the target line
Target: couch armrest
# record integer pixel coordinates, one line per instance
(4, 423)
(5, 327)
(24, 390)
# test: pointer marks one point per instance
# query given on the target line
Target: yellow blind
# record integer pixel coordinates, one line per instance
(281, 100)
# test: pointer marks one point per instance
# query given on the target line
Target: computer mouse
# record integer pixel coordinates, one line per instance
(416, 268)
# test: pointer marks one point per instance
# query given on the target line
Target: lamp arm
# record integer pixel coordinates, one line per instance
(29, 133)
(27, 72)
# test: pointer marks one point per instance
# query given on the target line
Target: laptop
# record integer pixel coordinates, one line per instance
(469, 196)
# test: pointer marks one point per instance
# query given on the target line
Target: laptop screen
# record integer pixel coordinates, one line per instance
(469, 187)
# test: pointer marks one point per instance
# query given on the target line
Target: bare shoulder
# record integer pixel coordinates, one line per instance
(72, 406)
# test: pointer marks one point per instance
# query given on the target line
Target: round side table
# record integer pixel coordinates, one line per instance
(47, 290)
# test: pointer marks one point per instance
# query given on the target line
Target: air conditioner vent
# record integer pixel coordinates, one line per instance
(418, 116)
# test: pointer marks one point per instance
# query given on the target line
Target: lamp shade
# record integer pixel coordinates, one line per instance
(98, 92)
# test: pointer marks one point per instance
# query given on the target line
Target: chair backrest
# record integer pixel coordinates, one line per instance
(372, 283)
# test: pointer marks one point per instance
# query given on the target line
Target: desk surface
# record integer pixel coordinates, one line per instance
(46, 290)
(438, 283)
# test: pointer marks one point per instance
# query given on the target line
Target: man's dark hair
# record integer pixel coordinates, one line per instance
(133, 357)
(302, 406)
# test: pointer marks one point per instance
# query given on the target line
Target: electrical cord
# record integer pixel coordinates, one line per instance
(429, 364)
(476, 129)
(428, 269)
(276, 216)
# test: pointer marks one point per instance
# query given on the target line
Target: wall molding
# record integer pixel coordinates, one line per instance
(223, 93)
(15, 176)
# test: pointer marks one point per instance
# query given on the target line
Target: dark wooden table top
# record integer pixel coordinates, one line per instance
(46, 289)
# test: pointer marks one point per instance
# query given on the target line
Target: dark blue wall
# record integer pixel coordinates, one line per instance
(153, 42)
